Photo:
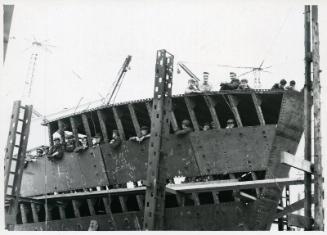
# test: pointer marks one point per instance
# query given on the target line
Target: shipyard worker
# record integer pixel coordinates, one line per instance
(205, 87)
(115, 142)
(280, 85)
(82, 147)
(96, 140)
(144, 135)
(243, 85)
(206, 126)
(232, 85)
(39, 152)
(186, 128)
(56, 151)
(192, 87)
(70, 143)
(291, 87)
(230, 124)
(94, 226)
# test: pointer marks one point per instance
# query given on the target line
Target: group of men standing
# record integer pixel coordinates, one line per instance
(233, 84)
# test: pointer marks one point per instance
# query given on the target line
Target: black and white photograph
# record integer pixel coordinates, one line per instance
(163, 115)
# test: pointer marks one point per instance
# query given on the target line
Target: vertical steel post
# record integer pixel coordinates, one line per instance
(318, 175)
(307, 114)
(160, 121)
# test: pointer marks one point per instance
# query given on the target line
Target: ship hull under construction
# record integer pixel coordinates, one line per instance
(268, 123)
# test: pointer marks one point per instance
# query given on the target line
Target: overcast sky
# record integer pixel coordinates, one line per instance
(91, 39)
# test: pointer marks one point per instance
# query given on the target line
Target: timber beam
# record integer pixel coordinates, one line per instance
(233, 102)
(290, 160)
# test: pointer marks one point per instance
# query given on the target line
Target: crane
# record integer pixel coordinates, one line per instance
(188, 71)
(117, 83)
(35, 45)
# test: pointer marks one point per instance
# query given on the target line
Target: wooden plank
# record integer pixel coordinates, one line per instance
(180, 199)
(196, 199)
(119, 123)
(34, 213)
(120, 191)
(299, 221)
(233, 106)
(235, 192)
(75, 130)
(134, 119)
(243, 194)
(318, 166)
(103, 126)
(50, 134)
(140, 199)
(23, 213)
(307, 111)
(254, 177)
(122, 203)
(190, 107)
(87, 129)
(215, 197)
(257, 104)
(48, 208)
(61, 131)
(211, 105)
(106, 205)
(90, 206)
(217, 186)
(291, 208)
(290, 160)
(76, 209)
(62, 212)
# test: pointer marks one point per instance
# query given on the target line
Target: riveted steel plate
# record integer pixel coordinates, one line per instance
(129, 162)
(288, 135)
(73, 171)
(233, 150)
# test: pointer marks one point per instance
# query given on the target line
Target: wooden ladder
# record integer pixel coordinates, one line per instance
(15, 156)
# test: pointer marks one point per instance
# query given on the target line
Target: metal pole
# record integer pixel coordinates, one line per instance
(318, 177)
(160, 121)
(307, 114)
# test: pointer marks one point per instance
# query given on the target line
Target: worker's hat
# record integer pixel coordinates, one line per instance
(244, 80)
(56, 138)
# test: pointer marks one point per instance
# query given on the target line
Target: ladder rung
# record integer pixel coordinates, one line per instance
(12, 172)
(22, 120)
(10, 186)
(22, 107)
(19, 133)
(17, 146)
